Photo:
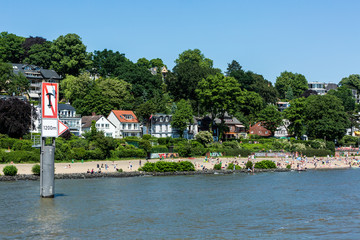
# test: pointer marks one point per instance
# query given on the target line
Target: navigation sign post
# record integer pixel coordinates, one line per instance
(49, 128)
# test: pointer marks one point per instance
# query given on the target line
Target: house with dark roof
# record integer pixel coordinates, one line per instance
(67, 115)
(125, 122)
(101, 124)
(36, 76)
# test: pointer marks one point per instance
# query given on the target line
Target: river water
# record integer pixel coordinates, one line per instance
(286, 205)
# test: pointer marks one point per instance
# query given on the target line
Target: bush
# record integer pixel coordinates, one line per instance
(162, 166)
(36, 169)
(231, 145)
(265, 164)
(148, 167)
(217, 166)
(22, 156)
(10, 170)
(25, 145)
(128, 152)
(120, 170)
(249, 164)
(231, 167)
(159, 149)
(78, 153)
(146, 136)
(317, 152)
(237, 152)
(95, 154)
(288, 166)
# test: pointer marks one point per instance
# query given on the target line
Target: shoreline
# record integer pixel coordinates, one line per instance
(132, 166)
(32, 177)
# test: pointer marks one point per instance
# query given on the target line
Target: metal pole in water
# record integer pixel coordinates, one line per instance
(47, 179)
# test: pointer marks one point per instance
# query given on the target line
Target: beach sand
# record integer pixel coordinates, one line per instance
(133, 165)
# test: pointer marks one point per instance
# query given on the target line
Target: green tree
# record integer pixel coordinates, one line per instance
(252, 82)
(106, 61)
(11, 49)
(76, 87)
(295, 114)
(204, 137)
(40, 55)
(296, 81)
(191, 67)
(218, 94)
(69, 55)
(250, 104)
(12, 83)
(325, 117)
(182, 116)
(107, 94)
(345, 95)
(352, 82)
(289, 95)
(271, 118)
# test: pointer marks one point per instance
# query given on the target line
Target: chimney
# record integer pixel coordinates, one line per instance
(93, 114)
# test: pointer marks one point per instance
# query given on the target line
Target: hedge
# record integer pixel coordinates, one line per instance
(162, 166)
(126, 153)
(159, 149)
(21, 156)
(317, 152)
(265, 164)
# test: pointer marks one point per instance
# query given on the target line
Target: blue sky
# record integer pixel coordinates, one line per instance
(319, 39)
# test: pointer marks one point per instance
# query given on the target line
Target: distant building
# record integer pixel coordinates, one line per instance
(258, 129)
(282, 131)
(125, 122)
(160, 125)
(101, 124)
(282, 106)
(67, 115)
(36, 76)
(318, 87)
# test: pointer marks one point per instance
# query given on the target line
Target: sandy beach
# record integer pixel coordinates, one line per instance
(200, 163)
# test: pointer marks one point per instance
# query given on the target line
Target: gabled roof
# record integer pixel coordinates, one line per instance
(123, 116)
(32, 71)
(64, 106)
(86, 120)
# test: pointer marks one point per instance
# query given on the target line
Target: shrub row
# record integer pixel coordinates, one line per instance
(20, 156)
(162, 166)
(265, 164)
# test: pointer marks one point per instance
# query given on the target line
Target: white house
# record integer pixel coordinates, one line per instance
(282, 131)
(125, 122)
(160, 125)
(101, 124)
(67, 114)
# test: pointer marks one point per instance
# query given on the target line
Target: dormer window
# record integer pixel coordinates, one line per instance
(128, 116)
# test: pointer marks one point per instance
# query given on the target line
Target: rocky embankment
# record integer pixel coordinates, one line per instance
(131, 174)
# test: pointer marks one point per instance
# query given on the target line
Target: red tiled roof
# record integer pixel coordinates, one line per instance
(120, 114)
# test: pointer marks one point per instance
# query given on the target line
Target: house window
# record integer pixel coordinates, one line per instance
(106, 125)
(266, 132)
(97, 125)
(102, 125)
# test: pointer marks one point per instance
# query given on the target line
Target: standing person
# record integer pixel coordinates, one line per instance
(140, 162)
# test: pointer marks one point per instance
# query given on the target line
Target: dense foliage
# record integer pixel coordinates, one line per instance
(162, 166)
(105, 80)
(36, 169)
(265, 164)
(10, 170)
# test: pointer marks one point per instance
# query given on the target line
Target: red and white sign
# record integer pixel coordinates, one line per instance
(61, 128)
(49, 100)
